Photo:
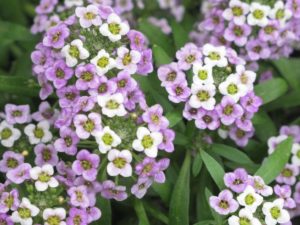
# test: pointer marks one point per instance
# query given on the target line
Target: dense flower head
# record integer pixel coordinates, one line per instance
(92, 57)
(258, 30)
(215, 87)
(248, 200)
(288, 183)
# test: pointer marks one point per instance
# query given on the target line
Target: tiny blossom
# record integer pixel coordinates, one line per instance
(10, 160)
(43, 177)
(244, 216)
(17, 114)
(249, 199)
(258, 14)
(8, 134)
(127, 60)
(224, 203)
(103, 62)
(87, 125)
(275, 213)
(79, 197)
(45, 154)
(140, 188)
(119, 163)
(236, 181)
(112, 191)
(74, 51)
(107, 139)
(112, 105)
(38, 133)
(88, 16)
(19, 174)
(46, 112)
(25, 212)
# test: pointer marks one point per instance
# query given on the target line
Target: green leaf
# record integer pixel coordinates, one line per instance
(230, 153)
(289, 69)
(181, 139)
(18, 85)
(271, 89)
(274, 164)
(289, 100)
(174, 117)
(197, 165)
(160, 56)
(140, 212)
(264, 126)
(163, 190)
(179, 205)
(180, 35)
(105, 207)
(214, 168)
(156, 212)
(205, 222)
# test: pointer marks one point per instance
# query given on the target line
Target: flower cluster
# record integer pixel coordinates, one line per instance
(34, 191)
(288, 182)
(248, 200)
(88, 61)
(216, 88)
(259, 31)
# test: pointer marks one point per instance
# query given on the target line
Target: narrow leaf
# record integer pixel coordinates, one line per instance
(140, 212)
(180, 35)
(160, 56)
(264, 126)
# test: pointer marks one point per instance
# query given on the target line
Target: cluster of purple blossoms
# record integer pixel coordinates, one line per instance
(257, 30)
(216, 89)
(88, 61)
(35, 171)
(248, 200)
(288, 182)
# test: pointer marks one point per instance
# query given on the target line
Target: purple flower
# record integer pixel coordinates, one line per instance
(122, 6)
(77, 216)
(93, 214)
(257, 50)
(240, 137)
(259, 186)
(86, 164)
(19, 174)
(79, 196)
(228, 110)
(207, 119)
(92, 187)
(67, 96)
(64, 118)
(10, 160)
(145, 66)
(41, 59)
(111, 191)
(17, 113)
(87, 125)
(103, 87)
(288, 175)
(85, 104)
(140, 188)
(224, 203)
(133, 97)
(178, 92)
(293, 131)
(190, 113)
(5, 219)
(155, 119)
(236, 181)
(9, 201)
(270, 32)
(297, 193)
(168, 138)
(46, 6)
(285, 193)
(244, 122)
(237, 33)
(46, 87)
(45, 113)
(55, 36)
(188, 55)
(59, 74)
(87, 77)
(214, 20)
(45, 154)
(137, 40)
(124, 82)
(170, 74)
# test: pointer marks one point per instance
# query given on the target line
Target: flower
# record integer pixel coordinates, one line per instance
(45, 113)
(280, 12)
(296, 154)
(76, 215)
(9, 201)
(43, 176)
(67, 142)
(17, 113)
(215, 56)
(45, 154)
(8, 134)
(236, 181)
(119, 163)
(284, 192)
(228, 110)
(141, 187)
(88, 16)
(224, 203)
(25, 212)
(155, 119)
(275, 213)
(79, 196)
(260, 187)
(55, 36)
(203, 96)
(86, 164)
(187, 56)
(127, 60)
(236, 12)
(202, 74)
(147, 141)
(258, 14)
(54, 216)
(38, 133)
(107, 139)
(249, 199)
(10, 160)
(233, 88)
(288, 174)
(114, 28)
(103, 62)
(19, 174)
(74, 51)
(112, 105)
(87, 125)
(111, 191)
(245, 216)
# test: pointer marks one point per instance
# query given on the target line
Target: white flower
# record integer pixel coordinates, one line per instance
(103, 62)
(250, 199)
(147, 141)
(232, 87)
(25, 212)
(107, 139)
(274, 141)
(275, 213)
(202, 74)
(71, 3)
(114, 28)
(88, 16)
(246, 77)
(8, 134)
(296, 154)
(112, 105)
(119, 163)
(54, 216)
(203, 96)
(128, 60)
(74, 51)
(236, 12)
(245, 217)
(38, 133)
(280, 12)
(215, 56)
(43, 176)
(260, 186)
(258, 14)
